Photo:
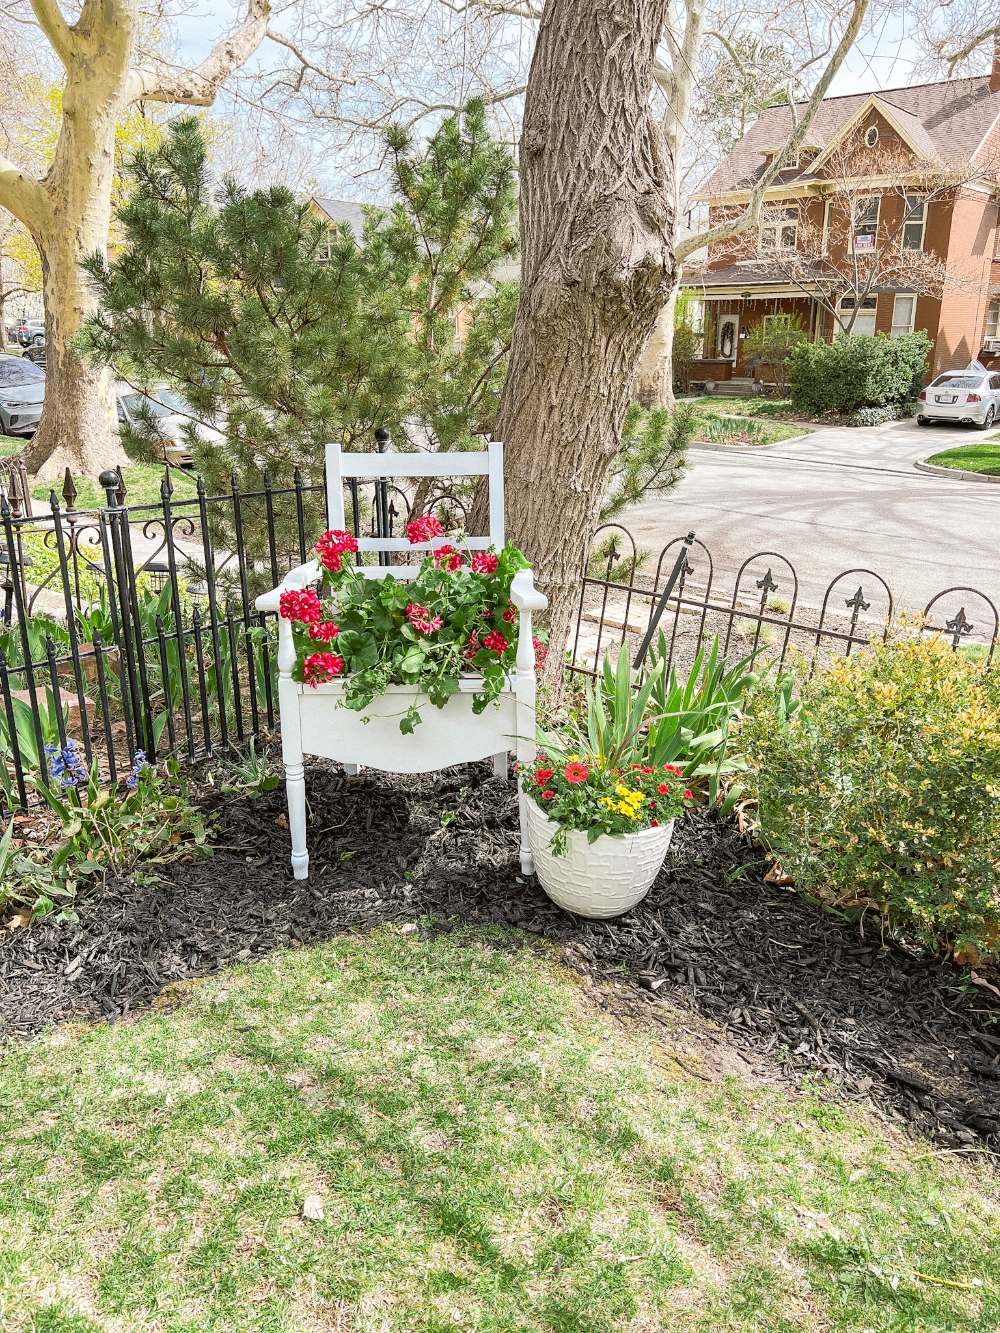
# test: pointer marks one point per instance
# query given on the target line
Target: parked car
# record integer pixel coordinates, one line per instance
(970, 396)
(171, 413)
(22, 391)
(30, 332)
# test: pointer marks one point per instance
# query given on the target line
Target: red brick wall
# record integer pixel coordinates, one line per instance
(971, 247)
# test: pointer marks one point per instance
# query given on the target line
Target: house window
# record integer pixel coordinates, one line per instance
(865, 229)
(865, 319)
(993, 320)
(903, 311)
(325, 246)
(780, 230)
(914, 218)
(871, 136)
(827, 219)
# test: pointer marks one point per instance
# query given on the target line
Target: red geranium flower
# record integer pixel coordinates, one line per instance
(421, 619)
(663, 789)
(446, 557)
(510, 614)
(543, 775)
(541, 652)
(332, 545)
(321, 667)
(323, 633)
(301, 604)
(472, 647)
(576, 772)
(423, 529)
(495, 642)
(485, 562)
(548, 795)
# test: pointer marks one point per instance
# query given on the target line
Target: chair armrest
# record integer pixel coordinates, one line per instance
(300, 577)
(524, 594)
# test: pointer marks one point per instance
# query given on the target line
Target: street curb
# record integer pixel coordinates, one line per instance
(747, 448)
(954, 473)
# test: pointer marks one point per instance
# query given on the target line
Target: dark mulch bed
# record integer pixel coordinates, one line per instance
(796, 988)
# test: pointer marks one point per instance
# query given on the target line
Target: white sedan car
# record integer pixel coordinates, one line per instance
(971, 397)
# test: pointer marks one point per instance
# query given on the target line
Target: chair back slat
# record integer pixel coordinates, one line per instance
(341, 466)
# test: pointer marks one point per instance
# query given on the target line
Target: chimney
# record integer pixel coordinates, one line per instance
(995, 71)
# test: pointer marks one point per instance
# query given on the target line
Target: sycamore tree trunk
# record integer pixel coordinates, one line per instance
(656, 370)
(597, 267)
(68, 211)
(78, 427)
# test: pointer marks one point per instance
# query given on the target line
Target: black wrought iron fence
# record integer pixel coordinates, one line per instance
(760, 608)
(128, 627)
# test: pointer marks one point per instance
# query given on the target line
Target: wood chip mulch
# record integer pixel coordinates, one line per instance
(793, 987)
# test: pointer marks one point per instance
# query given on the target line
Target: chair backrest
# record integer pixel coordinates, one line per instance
(343, 466)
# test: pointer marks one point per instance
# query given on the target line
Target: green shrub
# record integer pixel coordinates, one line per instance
(857, 371)
(878, 782)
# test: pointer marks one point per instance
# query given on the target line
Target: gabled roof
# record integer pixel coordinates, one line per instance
(945, 121)
(343, 211)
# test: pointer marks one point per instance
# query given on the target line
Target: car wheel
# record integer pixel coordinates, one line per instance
(923, 421)
(989, 418)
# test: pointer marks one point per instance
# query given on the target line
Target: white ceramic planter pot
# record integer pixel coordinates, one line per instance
(596, 879)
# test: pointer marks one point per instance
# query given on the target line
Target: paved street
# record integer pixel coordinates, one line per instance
(836, 499)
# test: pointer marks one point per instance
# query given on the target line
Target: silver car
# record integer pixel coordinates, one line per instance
(171, 413)
(971, 397)
(22, 391)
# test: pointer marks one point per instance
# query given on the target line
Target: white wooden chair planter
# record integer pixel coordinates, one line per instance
(314, 720)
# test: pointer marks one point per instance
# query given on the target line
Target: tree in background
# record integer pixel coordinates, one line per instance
(744, 77)
(688, 338)
(218, 291)
(67, 211)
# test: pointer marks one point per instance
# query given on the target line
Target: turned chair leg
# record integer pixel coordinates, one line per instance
(500, 765)
(295, 791)
(527, 862)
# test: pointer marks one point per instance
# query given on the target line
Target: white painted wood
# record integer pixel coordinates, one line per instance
(403, 544)
(316, 722)
(334, 489)
(411, 465)
(496, 494)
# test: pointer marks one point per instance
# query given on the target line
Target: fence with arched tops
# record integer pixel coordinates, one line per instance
(759, 607)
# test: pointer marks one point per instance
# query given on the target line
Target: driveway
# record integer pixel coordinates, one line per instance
(837, 499)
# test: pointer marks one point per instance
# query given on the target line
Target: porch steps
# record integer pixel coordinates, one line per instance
(741, 387)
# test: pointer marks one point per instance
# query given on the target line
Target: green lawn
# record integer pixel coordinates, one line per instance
(10, 444)
(142, 483)
(746, 421)
(983, 456)
(474, 1146)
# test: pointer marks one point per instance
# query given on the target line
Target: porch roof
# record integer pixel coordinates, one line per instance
(760, 277)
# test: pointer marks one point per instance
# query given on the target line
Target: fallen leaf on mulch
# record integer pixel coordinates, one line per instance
(981, 981)
(20, 920)
(777, 876)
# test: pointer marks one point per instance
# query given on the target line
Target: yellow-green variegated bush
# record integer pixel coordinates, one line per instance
(879, 781)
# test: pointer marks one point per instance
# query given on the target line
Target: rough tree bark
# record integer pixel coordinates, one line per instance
(68, 212)
(597, 266)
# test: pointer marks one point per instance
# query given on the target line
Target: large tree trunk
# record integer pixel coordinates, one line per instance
(597, 267)
(78, 428)
(656, 369)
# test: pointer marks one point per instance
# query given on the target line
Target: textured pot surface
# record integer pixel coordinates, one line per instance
(599, 879)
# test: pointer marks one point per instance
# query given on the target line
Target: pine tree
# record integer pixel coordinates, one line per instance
(218, 291)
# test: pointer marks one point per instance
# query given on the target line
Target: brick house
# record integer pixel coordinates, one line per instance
(929, 128)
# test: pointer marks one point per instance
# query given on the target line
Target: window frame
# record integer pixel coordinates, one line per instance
(857, 224)
(869, 305)
(992, 309)
(779, 222)
(909, 222)
(905, 296)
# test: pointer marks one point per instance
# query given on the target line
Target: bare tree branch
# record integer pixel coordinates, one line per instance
(200, 86)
